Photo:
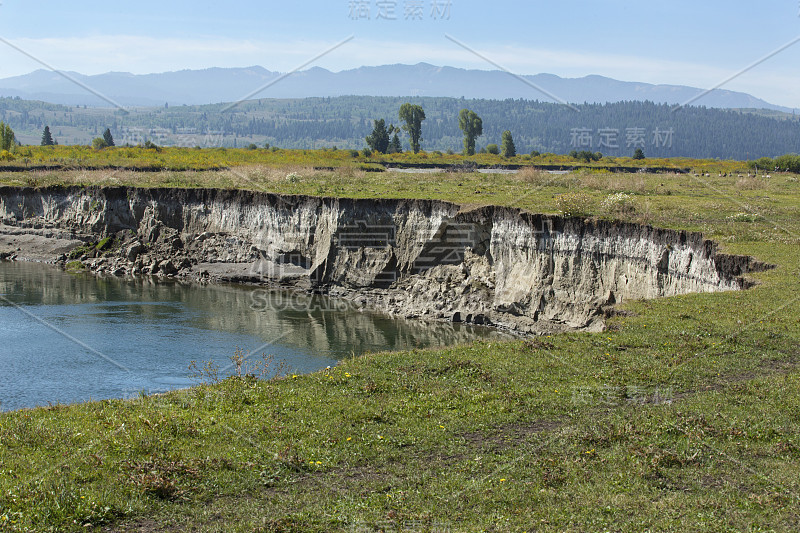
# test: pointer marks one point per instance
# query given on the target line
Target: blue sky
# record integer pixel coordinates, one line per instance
(677, 42)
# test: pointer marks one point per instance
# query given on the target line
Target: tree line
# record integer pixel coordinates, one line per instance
(346, 122)
(379, 140)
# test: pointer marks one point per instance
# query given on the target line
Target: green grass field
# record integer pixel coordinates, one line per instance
(683, 416)
(185, 159)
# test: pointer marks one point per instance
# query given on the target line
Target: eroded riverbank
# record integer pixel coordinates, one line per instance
(410, 258)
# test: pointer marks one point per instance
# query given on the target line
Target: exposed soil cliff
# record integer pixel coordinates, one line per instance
(414, 258)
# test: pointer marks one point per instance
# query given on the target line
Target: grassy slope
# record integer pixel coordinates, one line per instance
(684, 415)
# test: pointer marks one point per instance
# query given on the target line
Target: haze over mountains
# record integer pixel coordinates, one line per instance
(216, 85)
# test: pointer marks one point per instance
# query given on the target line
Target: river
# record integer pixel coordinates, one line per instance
(68, 338)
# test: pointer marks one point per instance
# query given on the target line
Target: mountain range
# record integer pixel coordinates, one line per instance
(215, 85)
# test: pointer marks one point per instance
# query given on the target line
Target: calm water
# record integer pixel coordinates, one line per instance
(68, 338)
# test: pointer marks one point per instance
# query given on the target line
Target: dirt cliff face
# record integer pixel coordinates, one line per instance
(414, 258)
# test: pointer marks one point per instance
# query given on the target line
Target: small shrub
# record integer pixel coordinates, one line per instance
(534, 176)
(573, 204)
(263, 367)
(788, 163)
(765, 163)
(619, 204)
(205, 372)
(585, 156)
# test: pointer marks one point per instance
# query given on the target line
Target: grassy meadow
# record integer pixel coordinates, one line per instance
(185, 159)
(684, 415)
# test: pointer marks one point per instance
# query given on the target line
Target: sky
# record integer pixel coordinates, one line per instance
(697, 43)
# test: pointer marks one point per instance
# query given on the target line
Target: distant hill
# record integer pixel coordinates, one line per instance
(613, 129)
(214, 85)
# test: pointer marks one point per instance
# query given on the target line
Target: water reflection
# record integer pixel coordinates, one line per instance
(108, 337)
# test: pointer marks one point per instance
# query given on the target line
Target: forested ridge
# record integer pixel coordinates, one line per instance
(616, 129)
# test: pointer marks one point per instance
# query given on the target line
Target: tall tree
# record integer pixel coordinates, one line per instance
(378, 140)
(413, 115)
(507, 145)
(7, 137)
(47, 139)
(472, 126)
(108, 138)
